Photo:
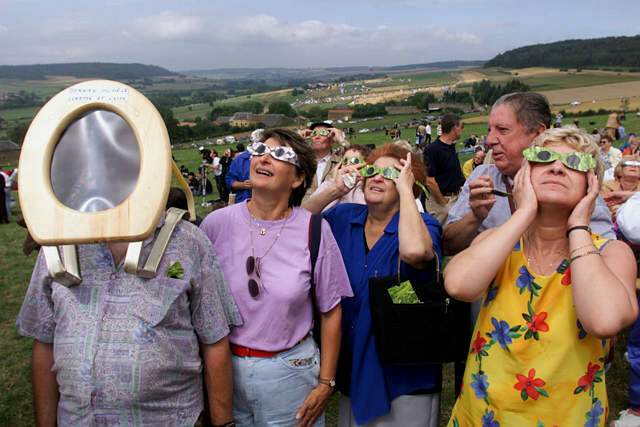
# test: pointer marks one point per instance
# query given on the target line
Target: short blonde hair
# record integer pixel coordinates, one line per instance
(575, 138)
(404, 144)
(617, 172)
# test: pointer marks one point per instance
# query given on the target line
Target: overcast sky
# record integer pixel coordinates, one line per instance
(189, 34)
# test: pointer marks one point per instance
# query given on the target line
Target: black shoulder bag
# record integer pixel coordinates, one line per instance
(436, 330)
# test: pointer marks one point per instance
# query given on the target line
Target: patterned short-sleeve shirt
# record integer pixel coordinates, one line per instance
(126, 349)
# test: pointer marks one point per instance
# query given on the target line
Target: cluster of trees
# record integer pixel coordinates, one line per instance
(608, 51)
(202, 129)
(83, 70)
(255, 107)
(486, 93)
(420, 100)
(369, 110)
(282, 107)
(229, 109)
(17, 131)
(458, 97)
(20, 100)
(586, 113)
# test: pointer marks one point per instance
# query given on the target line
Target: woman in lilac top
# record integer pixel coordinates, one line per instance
(263, 248)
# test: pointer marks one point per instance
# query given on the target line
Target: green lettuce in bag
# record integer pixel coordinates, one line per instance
(403, 294)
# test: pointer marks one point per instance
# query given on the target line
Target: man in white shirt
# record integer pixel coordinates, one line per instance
(323, 136)
(8, 186)
(611, 156)
(428, 136)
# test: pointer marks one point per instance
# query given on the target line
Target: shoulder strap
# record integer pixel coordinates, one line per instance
(315, 235)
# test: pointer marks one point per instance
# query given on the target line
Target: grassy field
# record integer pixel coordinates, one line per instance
(190, 112)
(19, 114)
(431, 78)
(545, 79)
(553, 81)
(42, 88)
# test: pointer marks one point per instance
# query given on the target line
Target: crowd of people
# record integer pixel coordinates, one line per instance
(276, 289)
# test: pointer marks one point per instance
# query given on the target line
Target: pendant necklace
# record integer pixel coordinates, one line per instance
(552, 264)
(262, 230)
(258, 260)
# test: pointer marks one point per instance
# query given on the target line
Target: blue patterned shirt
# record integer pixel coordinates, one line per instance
(126, 349)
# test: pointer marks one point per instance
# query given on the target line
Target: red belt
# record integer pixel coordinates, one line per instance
(241, 351)
(238, 350)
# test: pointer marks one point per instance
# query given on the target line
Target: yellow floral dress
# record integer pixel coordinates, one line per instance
(530, 361)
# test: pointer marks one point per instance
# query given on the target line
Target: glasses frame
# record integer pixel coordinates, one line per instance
(585, 161)
(388, 172)
(630, 163)
(320, 132)
(252, 265)
(287, 154)
(348, 161)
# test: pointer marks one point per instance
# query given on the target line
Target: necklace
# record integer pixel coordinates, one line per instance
(258, 260)
(544, 268)
(262, 230)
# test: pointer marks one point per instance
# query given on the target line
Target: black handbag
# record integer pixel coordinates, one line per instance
(435, 331)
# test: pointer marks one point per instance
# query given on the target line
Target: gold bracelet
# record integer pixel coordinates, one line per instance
(590, 245)
(588, 251)
(594, 252)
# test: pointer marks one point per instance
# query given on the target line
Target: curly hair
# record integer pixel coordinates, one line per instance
(575, 138)
(399, 153)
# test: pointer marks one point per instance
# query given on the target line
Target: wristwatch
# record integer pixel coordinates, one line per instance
(331, 382)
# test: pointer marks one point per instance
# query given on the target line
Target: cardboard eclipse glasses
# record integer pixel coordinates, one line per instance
(581, 162)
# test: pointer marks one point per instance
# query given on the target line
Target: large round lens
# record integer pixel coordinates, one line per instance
(388, 173)
(279, 153)
(254, 289)
(96, 164)
(369, 171)
(260, 148)
(573, 161)
(251, 264)
(544, 155)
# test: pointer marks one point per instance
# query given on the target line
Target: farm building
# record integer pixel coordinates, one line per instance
(186, 124)
(243, 120)
(409, 109)
(221, 120)
(340, 112)
(437, 106)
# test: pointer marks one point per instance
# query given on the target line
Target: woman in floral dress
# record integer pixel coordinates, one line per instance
(553, 295)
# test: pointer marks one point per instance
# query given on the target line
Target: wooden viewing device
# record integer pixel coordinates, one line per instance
(96, 166)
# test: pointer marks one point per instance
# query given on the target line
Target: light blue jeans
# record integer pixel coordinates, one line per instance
(268, 391)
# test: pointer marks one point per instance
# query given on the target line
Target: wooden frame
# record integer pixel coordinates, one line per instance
(52, 223)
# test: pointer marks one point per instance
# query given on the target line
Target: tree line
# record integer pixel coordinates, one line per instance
(601, 52)
(83, 70)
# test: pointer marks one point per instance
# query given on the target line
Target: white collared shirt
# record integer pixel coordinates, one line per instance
(323, 163)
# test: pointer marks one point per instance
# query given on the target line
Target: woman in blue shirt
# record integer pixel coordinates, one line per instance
(371, 237)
